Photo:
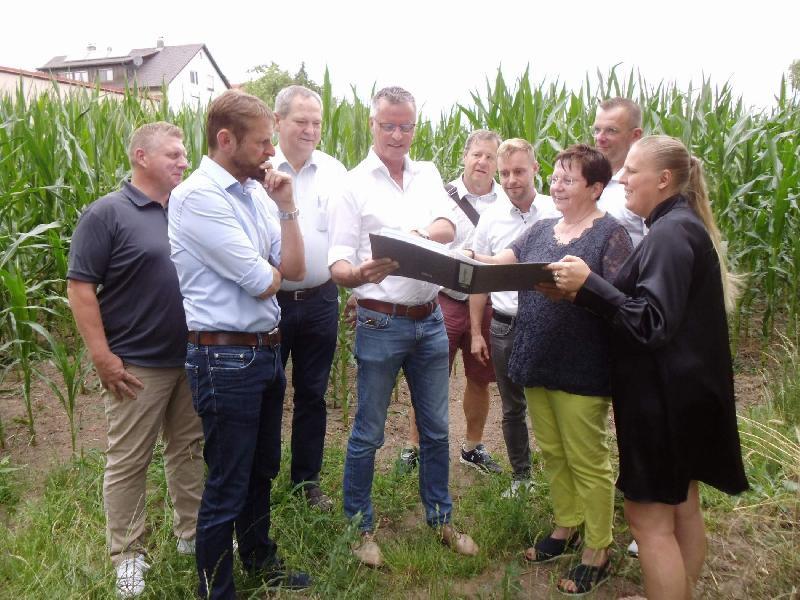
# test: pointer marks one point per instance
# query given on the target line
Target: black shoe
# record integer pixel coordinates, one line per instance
(317, 499)
(480, 459)
(280, 577)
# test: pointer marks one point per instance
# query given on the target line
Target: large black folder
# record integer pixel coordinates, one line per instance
(432, 262)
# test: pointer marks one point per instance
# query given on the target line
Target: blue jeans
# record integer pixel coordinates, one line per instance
(308, 333)
(238, 393)
(384, 344)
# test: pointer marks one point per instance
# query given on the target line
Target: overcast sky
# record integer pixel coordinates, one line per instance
(439, 50)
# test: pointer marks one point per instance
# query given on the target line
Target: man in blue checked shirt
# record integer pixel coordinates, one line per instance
(231, 257)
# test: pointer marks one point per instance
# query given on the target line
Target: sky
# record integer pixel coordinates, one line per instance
(439, 50)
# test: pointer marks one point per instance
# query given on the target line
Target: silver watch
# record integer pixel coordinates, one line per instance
(289, 216)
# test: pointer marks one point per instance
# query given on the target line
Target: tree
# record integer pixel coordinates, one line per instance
(272, 79)
(794, 74)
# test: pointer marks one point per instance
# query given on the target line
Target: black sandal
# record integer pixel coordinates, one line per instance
(549, 548)
(586, 578)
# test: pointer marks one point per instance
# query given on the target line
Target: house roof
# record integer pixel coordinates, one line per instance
(60, 80)
(159, 65)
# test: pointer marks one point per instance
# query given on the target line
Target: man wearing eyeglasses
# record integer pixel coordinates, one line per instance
(309, 308)
(501, 224)
(617, 126)
(399, 323)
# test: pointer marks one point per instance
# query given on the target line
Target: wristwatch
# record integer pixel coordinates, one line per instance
(289, 216)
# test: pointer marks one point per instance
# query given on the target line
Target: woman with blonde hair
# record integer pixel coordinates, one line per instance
(671, 374)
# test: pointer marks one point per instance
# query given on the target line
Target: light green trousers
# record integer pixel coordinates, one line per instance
(571, 433)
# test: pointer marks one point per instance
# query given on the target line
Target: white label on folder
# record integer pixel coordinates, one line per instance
(465, 274)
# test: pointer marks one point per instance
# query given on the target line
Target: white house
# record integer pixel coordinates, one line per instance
(189, 72)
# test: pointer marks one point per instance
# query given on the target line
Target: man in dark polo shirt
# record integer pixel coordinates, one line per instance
(124, 294)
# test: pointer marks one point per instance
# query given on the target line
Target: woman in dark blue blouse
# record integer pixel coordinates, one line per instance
(561, 358)
(672, 376)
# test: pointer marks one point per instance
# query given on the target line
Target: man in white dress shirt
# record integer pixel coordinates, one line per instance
(500, 225)
(471, 193)
(617, 125)
(398, 321)
(309, 308)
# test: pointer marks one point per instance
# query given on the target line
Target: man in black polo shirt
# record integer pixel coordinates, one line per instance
(124, 294)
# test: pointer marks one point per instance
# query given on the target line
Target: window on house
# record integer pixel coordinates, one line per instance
(193, 77)
(107, 74)
(210, 83)
(80, 75)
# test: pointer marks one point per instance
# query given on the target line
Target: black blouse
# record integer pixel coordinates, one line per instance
(672, 375)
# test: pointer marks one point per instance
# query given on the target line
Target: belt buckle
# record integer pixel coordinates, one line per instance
(298, 295)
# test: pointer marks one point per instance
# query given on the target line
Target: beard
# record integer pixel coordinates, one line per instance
(248, 169)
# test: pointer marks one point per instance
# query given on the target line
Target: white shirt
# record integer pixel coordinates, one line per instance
(223, 239)
(318, 180)
(500, 225)
(612, 201)
(370, 200)
(465, 230)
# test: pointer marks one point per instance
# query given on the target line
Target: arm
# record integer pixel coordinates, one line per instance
(371, 271)
(504, 257)
(477, 305)
(292, 251)
(86, 310)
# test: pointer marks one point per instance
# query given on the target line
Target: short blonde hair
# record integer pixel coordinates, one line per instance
(514, 145)
(144, 137)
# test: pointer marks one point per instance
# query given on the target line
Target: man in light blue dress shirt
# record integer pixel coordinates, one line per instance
(231, 256)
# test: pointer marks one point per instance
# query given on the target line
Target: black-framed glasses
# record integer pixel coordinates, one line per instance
(390, 127)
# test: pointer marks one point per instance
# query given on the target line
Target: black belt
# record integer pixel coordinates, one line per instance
(235, 338)
(503, 318)
(416, 312)
(298, 295)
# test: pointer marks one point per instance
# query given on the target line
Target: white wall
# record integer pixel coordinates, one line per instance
(183, 92)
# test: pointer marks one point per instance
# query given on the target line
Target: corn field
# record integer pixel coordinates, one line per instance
(58, 155)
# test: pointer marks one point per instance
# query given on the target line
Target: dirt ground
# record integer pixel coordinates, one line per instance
(53, 446)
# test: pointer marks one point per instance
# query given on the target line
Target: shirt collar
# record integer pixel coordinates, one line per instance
(616, 176)
(279, 160)
(664, 207)
(217, 173)
(463, 191)
(374, 163)
(135, 195)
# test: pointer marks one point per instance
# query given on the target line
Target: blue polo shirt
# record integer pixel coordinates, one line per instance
(121, 244)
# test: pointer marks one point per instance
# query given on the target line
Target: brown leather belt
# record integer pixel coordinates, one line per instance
(416, 312)
(297, 295)
(235, 338)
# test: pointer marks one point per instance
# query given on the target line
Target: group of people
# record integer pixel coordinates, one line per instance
(192, 295)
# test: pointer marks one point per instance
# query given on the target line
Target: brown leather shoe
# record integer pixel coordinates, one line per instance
(368, 551)
(459, 542)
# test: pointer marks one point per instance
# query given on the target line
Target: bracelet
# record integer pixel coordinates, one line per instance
(472, 253)
(423, 233)
(289, 216)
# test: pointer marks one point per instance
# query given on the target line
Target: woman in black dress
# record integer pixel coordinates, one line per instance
(672, 377)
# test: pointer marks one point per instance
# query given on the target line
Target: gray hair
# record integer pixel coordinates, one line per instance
(482, 135)
(393, 95)
(283, 100)
(144, 136)
(632, 110)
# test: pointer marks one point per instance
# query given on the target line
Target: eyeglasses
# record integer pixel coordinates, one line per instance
(390, 127)
(609, 131)
(567, 181)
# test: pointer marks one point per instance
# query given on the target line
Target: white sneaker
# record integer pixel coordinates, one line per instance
(633, 549)
(130, 576)
(518, 486)
(186, 547)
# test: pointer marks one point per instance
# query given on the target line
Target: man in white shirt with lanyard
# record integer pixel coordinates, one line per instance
(309, 308)
(398, 321)
(472, 193)
(500, 225)
(617, 125)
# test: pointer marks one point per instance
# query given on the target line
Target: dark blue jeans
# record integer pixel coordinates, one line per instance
(308, 333)
(238, 393)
